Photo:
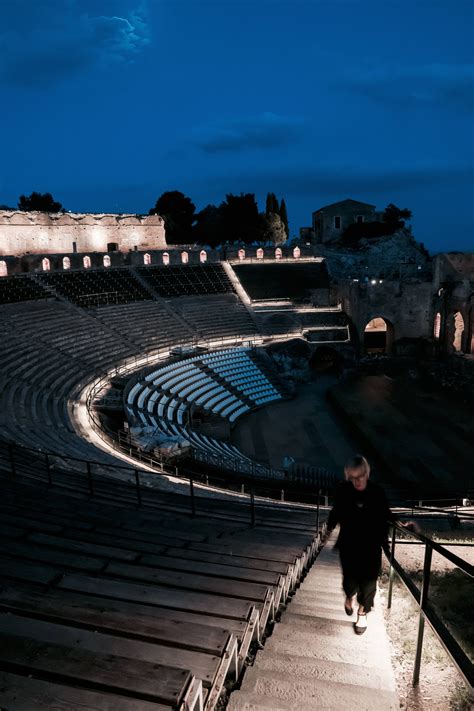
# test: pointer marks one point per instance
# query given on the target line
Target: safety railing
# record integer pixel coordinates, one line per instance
(23, 464)
(426, 605)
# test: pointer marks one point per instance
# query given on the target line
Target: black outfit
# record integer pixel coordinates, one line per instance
(363, 517)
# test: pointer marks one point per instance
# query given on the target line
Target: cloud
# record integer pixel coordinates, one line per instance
(448, 85)
(262, 132)
(50, 40)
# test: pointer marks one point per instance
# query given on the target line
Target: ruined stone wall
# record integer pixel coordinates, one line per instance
(453, 267)
(407, 306)
(50, 233)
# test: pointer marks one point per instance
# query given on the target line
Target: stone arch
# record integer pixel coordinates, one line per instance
(437, 326)
(166, 258)
(107, 261)
(297, 253)
(184, 257)
(260, 253)
(45, 264)
(86, 262)
(3, 268)
(66, 263)
(241, 254)
(458, 331)
(378, 335)
(278, 253)
(203, 256)
(147, 259)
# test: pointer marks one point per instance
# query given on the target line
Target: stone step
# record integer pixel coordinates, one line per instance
(320, 610)
(337, 648)
(290, 693)
(311, 669)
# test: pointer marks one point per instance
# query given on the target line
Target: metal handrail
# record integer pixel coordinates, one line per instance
(426, 610)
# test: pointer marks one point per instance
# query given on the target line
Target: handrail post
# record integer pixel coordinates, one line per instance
(391, 574)
(252, 507)
(11, 452)
(48, 468)
(421, 623)
(191, 491)
(317, 513)
(137, 484)
(89, 478)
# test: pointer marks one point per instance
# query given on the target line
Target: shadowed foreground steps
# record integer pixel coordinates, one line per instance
(314, 660)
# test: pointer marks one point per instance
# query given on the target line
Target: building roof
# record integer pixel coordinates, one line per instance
(348, 202)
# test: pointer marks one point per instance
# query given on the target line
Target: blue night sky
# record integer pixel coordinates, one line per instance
(108, 103)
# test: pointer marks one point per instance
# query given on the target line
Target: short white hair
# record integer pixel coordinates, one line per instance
(358, 461)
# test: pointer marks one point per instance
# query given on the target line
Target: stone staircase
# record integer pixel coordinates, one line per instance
(314, 660)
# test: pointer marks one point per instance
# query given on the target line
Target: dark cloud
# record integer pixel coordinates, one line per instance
(49, 40)
(447, 85)
(266, 131)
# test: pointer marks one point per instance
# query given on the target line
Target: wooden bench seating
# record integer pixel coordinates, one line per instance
(106, 587)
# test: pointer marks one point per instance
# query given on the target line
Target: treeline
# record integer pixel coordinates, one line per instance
(236, 219)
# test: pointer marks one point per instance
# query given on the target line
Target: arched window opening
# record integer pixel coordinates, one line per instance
(259, 253)
(437, 325)
(147, 259)
(86, 262)
(107, 261)
(166, 258)
(278, 253)
(297, 253)
(378, 336)
(3, 268)
(184, 257)
(66, 263)
(45, 264)
(203, 256)
(241, 254)
(458, 331)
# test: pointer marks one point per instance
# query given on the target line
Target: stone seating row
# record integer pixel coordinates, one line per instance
(126, 608)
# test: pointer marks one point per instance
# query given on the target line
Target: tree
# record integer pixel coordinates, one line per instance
(241, 220)
(395, 217)
(208, 228)
(43, 202)
(177, 210)
(271, 205)
(284, 217)
(274, 229)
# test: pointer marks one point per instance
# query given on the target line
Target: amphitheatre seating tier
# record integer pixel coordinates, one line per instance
(227, 383)
(216, 317)
(282, 280)
(97, 286)
(20, 288)
(187, 280)
(101, 602)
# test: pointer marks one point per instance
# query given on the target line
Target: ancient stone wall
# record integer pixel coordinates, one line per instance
(50, 233)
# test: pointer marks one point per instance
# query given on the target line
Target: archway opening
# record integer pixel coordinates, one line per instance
(147, 259)
(259, 253)
(184, 257)
(378, 336)
(166, 258)
(278, 253)
(112, 246)
(3, 268)
(107, 261)
(437, 326)
(66, 263)
(203, 256)
(86, 262)
(458, 331)
(45, 264)
(297, 253)
(241, 254)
